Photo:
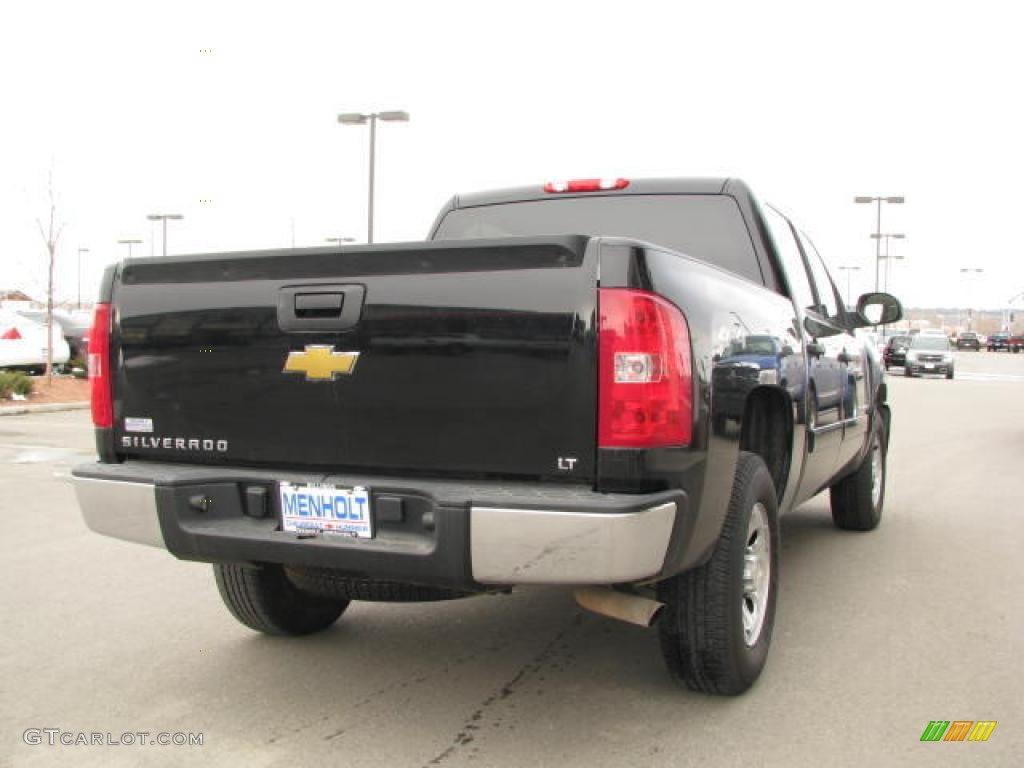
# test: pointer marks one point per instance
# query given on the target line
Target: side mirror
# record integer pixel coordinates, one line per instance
(877, 309)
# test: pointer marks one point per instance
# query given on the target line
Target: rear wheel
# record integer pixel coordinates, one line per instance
(908, 373)
(949, 374)
(857, 499)
(262, 598)
(717, 624)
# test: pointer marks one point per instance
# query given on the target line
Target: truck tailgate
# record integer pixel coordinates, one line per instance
(474, 357)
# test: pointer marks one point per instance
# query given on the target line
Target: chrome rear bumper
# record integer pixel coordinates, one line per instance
(120, 509)
(549, 546)
(451, 534)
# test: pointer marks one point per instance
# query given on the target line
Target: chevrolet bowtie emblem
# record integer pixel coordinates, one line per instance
(321, 363)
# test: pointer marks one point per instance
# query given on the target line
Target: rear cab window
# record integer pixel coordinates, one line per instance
(708, 227)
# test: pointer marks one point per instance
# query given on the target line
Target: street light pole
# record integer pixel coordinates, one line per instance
(878, 244)
(848, 271)
(358, 118)
(373, 161)
(895, 200)
(970, 309)
(164, 217)
(80, 252)
(888, 261)
(1008, 313)
(888, 236)
(129, 243)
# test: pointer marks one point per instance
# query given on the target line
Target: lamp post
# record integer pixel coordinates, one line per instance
(80, 252)
(970, 309)
(1009, 312)
(848, 271)
(888, 260)
(129, 243)
(358, 118)
(895, 200)
(339, 240)
(887, 236)
(164, 217)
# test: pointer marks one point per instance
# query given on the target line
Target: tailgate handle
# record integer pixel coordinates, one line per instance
(318, 304)
(323, 307)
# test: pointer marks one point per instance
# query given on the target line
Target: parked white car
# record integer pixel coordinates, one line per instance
(23, 342)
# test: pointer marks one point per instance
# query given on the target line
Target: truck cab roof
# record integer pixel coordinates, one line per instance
(670, 186)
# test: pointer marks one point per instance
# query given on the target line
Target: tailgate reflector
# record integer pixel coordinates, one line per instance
(645, 385)
(99, 368)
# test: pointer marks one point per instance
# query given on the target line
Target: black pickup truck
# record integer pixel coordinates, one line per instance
(615, 385)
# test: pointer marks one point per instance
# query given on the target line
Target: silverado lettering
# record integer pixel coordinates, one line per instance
(174, 443)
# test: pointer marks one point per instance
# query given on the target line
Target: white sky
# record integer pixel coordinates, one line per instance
(810, 103)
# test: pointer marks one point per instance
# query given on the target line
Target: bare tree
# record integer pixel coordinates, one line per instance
(51, 236)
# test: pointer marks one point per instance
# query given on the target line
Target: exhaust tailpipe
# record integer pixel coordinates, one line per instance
(619, 605)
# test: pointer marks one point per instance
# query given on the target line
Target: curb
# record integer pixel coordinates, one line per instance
(19, 410)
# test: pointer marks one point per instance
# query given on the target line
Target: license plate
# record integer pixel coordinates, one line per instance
(326, 509)
(929, 365)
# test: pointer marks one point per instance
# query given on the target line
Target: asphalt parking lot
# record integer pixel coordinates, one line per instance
(876, 634)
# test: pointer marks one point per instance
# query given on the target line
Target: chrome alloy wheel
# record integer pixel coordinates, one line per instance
(877, 474)
(757, 574)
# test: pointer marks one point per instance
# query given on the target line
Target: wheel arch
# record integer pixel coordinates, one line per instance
(768, 432)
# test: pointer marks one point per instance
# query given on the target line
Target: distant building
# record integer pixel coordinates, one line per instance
(14, 296)
(15, 299)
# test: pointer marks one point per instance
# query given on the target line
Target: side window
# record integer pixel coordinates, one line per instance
(789, 255)
(826, 289)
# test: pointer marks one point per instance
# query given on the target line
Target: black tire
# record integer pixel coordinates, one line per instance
(853, 504)
(333, 584)
(949, 374)
(703, 640)
(908, 373)
(264, 599)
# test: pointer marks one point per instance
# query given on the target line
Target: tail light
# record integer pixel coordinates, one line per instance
(585, 185)
(99, 368)
(11, 334)
(645, 390)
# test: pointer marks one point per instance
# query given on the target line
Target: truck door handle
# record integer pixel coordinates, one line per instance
(815, 349)
(323, 307)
